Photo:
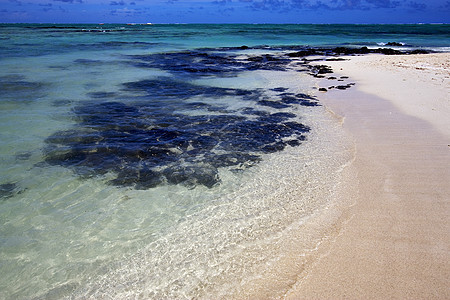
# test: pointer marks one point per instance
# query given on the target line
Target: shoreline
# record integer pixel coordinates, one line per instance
(392, 240)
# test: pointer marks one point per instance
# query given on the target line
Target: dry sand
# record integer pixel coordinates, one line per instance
(394, 240)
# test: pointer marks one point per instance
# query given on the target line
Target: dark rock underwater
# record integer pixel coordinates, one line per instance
(146, 136)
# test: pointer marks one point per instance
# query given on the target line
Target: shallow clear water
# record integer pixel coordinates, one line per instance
(133, 164)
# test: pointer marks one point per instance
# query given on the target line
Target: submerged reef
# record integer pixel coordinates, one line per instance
(7, 190)
(14, 87)
(166, 130)
(206, 62)
(151, 139)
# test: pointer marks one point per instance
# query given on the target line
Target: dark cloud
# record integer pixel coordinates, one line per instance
(17, 2)
(46, 6)
(226, 11)
(221, 2)
(384, 3)
(69, 1)
(277, 5)
(417, 6)
(349, 4)
(283, 5)
(446, 6)
(125, 12)
(120, 3)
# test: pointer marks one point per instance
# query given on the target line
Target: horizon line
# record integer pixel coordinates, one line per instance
(233, 23)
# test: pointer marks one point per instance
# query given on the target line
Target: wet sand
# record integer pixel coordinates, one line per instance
(393, 239)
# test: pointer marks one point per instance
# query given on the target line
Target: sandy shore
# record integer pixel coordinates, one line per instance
(394, 240)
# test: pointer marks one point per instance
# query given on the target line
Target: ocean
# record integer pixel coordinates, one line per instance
(169, 161)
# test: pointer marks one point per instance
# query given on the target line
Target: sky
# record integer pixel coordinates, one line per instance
(225, 11)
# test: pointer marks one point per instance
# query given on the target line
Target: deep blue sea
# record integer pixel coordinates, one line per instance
(168, 161)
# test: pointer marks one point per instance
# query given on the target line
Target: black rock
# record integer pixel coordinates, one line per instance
(297, 128)
(7, 190)
(241, 159)
(279, 146)
(349, 51)
(307, 52)
(419, 51)
(320, 69)
(305, 96)
(252, 111)
(273, 104)
(279, 89)
(100, 95)
(23, 155)
(60, 103)
(394, 44)
(191, 176)
(335, 59)
(293, 143)
(139, 177)
(276, 117)
(388, 51)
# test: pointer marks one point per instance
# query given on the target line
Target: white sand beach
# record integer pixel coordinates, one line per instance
(393, 241)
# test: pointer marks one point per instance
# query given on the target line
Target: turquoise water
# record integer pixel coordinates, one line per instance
(42, 39)
(134, 163)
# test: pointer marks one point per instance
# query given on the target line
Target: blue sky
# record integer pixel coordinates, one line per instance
(225, 11)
